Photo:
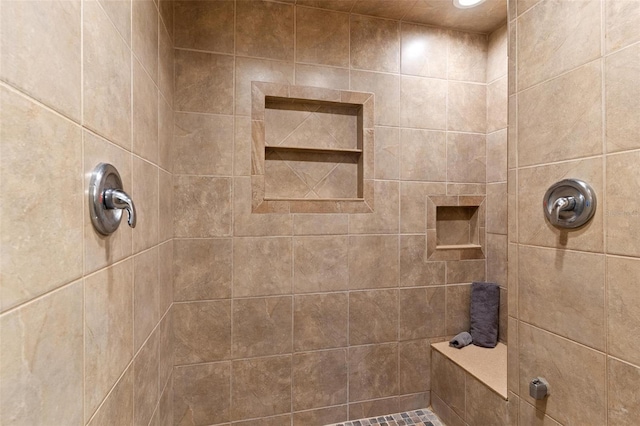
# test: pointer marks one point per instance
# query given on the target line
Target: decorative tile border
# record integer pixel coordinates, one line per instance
(422, 417)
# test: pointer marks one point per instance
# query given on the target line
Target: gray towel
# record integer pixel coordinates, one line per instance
(485, 306)
(461, 340)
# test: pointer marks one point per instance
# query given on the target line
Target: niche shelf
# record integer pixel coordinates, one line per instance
(312, 150)
(455, 227)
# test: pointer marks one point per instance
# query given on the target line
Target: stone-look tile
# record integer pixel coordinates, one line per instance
(466, 158)
(41, 52)
(108, 346)
(524, 5)
(415, 366)
(100, 250)
(423, 103)
(282, 420)
(448, 383)
(262, 326)
(512, 205)
(318, 76)
(622, 99)
(458, 299)
(373, 261)
(145, 381)
(444, 412)
(202, 394)
(528, 415)
(513, 354)
(497, 54)
(322, 37)
(622, 177)
(533, 227)
(204, 25)
(165, 206)
(424, 51)
(106, 78)
(423, 155)
(373, 316)
(265, 29)
(209, 206)
(166, 404)
(322, 416)
(373, 371)
(571, 285)
(320, 224)
(512, 132)
(497, 156)
(415, 270)
(166, 59)
(623, 406)
(165, 276)
(382, 8)
(246, 223)
(202, 269)
(203, 82)
(145, 193)
(387, 153)
(165, 7)
(384, 219)
(41, 360)
(30, 137)
(497, 208)
(413, 204)
(319, 379)
(467, 107)
(146, 305)
(320, 321)
(386, 88)
(566, 34)
(497, 100)
(561, 119)
(144, 43)
(262, 266)
(412, 402)
(165, 135)
(145, 115)
(577, 397)
(250, 69)
(375, 44)
(623, 318)
(512, 279)
(422, 313)
(484, 406)
(260, 387)
(496, 254)
(242, 146)
(118, 407)
(622, 18)
(503, 317)
(338, 5)
(203, 144)
(467, 58)
(320, 264)
(367, 409)
(166, 343)
(202, 331)
(465, 271)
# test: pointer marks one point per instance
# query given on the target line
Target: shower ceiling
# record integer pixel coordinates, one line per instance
(484, 18)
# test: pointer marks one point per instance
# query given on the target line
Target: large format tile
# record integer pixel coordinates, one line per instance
(373, 261)
(320, 264)
(202, 394)
(386, 88)
(262, 266)
(622, 297)
(320, 321)
(265, 29)
(204, 25)
(497, 100)
(424, 51)
(146, 295)
(145, 115)
(144, 35)
(466, 158)
(262, 326)
(422, 313)
(319, 379)
(145, 193)
(448, 383)
(145, 381)
(467, 107)
(623, 406)
(467, 57)
(373, 371)
(422, 155)
(117, 408)
(202, 332)
(622, 178)
(423, 103)
(322, 37)
(622, 18)
(415, 269)
(373, 316)
(415, 366)
(375, 44)
(202, 269)
(209, 202)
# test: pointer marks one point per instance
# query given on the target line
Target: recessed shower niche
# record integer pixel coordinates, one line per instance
(312, 149)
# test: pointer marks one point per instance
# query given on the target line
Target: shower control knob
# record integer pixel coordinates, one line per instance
(569, 203)
(539, 388)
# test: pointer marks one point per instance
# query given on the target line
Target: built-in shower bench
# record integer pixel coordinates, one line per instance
(469, 385)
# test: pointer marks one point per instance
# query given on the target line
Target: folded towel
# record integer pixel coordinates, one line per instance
(485, 306)
(461, 340)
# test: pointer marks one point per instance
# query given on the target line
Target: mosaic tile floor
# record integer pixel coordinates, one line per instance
(422, 417)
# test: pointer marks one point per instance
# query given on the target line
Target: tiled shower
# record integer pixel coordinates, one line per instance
(209, 313)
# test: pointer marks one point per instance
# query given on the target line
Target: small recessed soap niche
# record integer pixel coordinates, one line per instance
(455, 228)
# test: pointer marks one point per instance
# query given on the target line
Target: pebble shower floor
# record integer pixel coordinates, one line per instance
(422, 417)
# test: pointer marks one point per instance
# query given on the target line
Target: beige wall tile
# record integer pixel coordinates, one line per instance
(268, 395)
(373, 261)
(467, 57)
(166, 343)
(209, 201)
(422, 313)
(622, 98)
(144, 39)
(262, 326)
(496, 253)
(107, 83)
(203, 82)
(458, 299)
(497, 100)
(145, 115)
(145, 381)
(373, 316)
(623, 406)
(41, 360)
(467, 107)
(387, 153)
(165, 135)
(386, 88)
(384, 219)
(484, 407)
(339, 5)
(513, 354)
(255, 271)
(145, 193)
(512, 132)
(250, 69)
(166, 59)
(322, 37)
(497, 156)
(571, 287)
(319, 379)
(202, 269)
(497, 54)
(203, 394)
(561, 119)
(621, 299)
(497, 208)
(165, 206)
(413, 204)
(448, 385)
(165, 8)
(265, 29)
(622, 178)
(465, 271)
(203, 144)
(373, 371)
(281, 420)
(375, 44)
(108, 345)
(320, 321)
(622, 18)
(202, 331)
(466, 157)
(44, 40)
(146, 295)
(566, 34)
(423, 103)
(165, 406)
(414, 367)
(320, 224)
(423, 155)
(118, 407)
(246, 223)
(424, 51)
(576, 396)
(320, 264)
(119, 13)
(31, 137)
(319, 76)
(415, 270)
(528, 415)
(383, 9)
(242, 146)
(322, 416)
(204, 25)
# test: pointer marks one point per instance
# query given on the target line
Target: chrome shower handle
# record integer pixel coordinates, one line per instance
(107, 200)
(563, 204)
(118, 199)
